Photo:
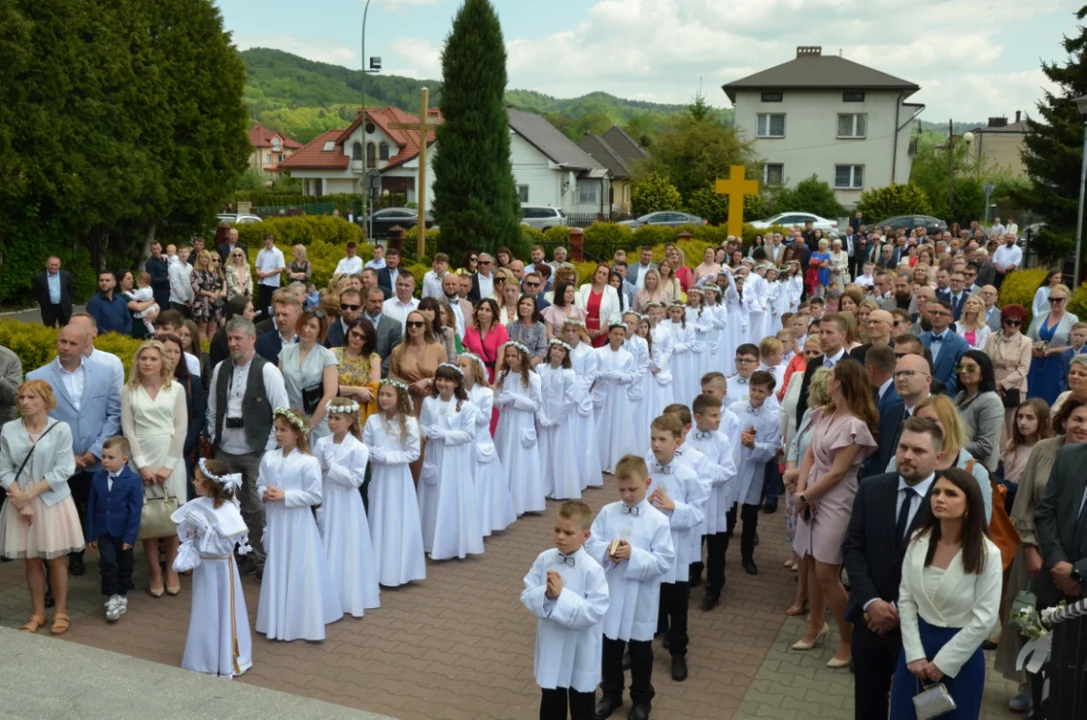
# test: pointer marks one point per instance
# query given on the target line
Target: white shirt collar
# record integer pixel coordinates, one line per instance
(920, 488)
(884, 386)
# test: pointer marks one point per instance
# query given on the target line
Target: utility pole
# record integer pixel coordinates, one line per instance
(950, 165)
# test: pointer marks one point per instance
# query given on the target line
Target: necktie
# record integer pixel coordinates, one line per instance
(631, 510)
(827, 362)
(568, 560)
(904, 513)
(663, 469)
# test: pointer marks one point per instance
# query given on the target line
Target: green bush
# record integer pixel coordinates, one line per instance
(654, 193)
(303, 230)
(1020, 286)
(558, 234)
(602, 238)
(36, 345)
(1078, 303)
(895, 199)
(25, 244)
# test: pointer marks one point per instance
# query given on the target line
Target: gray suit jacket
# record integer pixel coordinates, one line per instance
(633, 270)
(993, 320)
(11, 376)
(984, 417)
(1055, 518)
(389, 333)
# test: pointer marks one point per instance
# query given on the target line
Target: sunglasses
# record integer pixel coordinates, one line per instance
(415, 323)
(1013, 323)
(532, 284)
(1056, 300)
(484, 262)
(966, 368)
(349, 308)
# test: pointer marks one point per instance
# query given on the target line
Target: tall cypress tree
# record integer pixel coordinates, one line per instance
(1054, 151)
(475, 201)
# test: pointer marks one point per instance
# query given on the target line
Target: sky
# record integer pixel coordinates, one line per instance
(973, 59)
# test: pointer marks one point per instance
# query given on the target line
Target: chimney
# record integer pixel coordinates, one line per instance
(998, 122)
(809, 51)
(1018, 115)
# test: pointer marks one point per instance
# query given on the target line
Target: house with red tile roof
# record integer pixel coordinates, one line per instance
(270, 148)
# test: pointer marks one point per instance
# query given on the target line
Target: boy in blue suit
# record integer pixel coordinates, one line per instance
(113, 520)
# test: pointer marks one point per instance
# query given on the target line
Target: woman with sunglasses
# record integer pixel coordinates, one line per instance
(1050, 334)
(1010, 350)
(359, 367)
(1040, 305)
(239, 280)
(417, 357)
(442, 333)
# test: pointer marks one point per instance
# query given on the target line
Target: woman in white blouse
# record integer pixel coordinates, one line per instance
(949, 599)
(971, 325)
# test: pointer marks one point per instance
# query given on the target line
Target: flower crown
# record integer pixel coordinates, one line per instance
(231, 481)
(520, 346)
(289, 415)
(651, 305)
(612, 325)
(452, 367)
(679, 303)
(394, 383)
(561, 343)
(471, 356)
(574, 321)
(345, 408)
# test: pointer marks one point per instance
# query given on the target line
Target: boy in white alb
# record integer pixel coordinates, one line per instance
(633, 541)
(747, 362)
(760, 441)
(566, 589)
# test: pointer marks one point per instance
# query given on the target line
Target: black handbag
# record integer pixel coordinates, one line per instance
(1011, 398)
(311, 398)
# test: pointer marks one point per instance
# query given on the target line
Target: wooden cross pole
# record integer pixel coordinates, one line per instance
(736, 187)
(425, 123)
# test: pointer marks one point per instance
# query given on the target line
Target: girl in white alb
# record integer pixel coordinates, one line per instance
(657, 381)
(494, 506)
(448, 507)
(712, 307)
(342, 517)
(637, 346)
(210, 527)
(702, 323)
(611, 397)
(777, 301)
(584, 364)
(684, 366)
(735, 323)
(297, 594)
(558, 441)
(392, 435)
(518, 399)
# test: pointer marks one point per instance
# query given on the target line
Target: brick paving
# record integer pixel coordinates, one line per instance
(458, 646)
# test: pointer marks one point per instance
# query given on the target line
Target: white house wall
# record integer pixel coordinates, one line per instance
(811, 145)
(532, 168)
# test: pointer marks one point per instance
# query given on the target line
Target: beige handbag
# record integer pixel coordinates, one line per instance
(155, 519)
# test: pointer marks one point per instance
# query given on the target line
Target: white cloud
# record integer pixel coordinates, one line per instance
(416, 58)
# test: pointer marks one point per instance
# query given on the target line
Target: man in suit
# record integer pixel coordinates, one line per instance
(462, 309)
(53, 290)
(970, 279)
(226, 248)
(832, 339)
(989, 295)
(879, 364)
(350, 309)
(943, 285)
(369, 280)
(1078, 338)
(483, 280)
(911, 345)
(880, 327)
(286, 309)
(159, 270)
(947, 347)
(87, 401)
(886, 510)
(386, 276)
(388, 330)
(627, 289)
(636, 273)
(958, 294)
(849, 244)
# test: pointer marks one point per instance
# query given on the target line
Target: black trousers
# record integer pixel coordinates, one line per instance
(672, 616)
(874, 659)
(716, 547)
(80, 485)
(264, 298)
(54, 316)
(641, 670)
(555, 703)
(697, 566)
(181, 308)
(749, 515)
(772, 485)
(115, 566)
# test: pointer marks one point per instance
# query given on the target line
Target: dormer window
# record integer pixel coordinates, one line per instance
(330, 145)
(275, 144)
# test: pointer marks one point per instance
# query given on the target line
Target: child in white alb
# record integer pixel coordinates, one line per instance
(518, 399)
(760, 441)
(494, 504)
(584, 363)
(558, 441)
(611, 396)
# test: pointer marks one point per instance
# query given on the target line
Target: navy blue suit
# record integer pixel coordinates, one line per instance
(1066, 364)
(956, 305)
(115, 512)
(891, 415)
(269, 344)
(943, 295)
(947, 359)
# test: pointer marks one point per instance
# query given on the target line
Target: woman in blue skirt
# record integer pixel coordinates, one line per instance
(949, 599)
(1052, 329)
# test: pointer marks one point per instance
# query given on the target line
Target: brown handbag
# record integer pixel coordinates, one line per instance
(1001, 531)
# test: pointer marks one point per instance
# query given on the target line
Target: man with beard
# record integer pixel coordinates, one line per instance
(922, 299)
(903, 295)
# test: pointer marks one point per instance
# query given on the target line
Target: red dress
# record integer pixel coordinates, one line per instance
(592, 317)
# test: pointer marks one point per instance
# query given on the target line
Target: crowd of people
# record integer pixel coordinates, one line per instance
(907, 420)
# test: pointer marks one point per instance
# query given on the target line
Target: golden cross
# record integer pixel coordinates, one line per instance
(736, 187)
(425, 123)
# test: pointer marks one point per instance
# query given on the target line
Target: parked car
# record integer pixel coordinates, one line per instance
(799, 219)
(670, 218)
(542, 217)
(388, 218)
(236, 219)
(909, 222)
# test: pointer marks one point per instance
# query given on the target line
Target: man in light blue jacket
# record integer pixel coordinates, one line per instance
(89, 403)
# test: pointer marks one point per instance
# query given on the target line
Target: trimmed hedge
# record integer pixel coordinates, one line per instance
(303, 230)
(1020, 286)
(1078, 304)
(36, 345)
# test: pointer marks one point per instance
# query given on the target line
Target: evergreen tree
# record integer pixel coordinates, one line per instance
(1054, 149)
(475, 200)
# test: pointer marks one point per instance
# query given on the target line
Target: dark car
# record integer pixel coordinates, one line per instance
(909, 222)
(387, 218)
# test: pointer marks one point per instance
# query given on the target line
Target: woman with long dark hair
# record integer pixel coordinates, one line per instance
(195, 401)
(981, 409)
(431, 308)
(561, 309)
(1040, 304)
(528, 329)
(948, 600)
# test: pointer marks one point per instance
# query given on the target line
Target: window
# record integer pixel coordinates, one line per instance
(356, 151)
(329, 146)
(371, 155)
(522, 192)
(849, 177)
(852, 97)
(275, 144)
(318, 186)
(773, 174)
(770, 125)
(852, 125)
(383, 152)
(771, 97)
(586, 191)
(268, 157)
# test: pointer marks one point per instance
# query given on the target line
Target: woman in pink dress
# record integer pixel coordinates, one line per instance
(485, 338)
(841, 441)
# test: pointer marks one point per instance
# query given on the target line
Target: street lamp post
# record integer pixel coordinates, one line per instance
(374, 66)
(1081, 103)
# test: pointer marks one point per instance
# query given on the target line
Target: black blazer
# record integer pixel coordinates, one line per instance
(224, 251)
(871, 553)
(474, 295)
(1055, 520)
(334, 337)
(269, 345)
(859, 352)
(40, 290)
(385, 281)
(890, 428)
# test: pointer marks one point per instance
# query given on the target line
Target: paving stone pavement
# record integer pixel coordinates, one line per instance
(459, 645)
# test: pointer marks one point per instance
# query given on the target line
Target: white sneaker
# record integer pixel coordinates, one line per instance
(115, 608)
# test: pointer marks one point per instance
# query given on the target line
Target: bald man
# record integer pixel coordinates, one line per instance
(880, 328)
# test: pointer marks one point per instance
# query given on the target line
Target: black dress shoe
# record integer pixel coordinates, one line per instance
(626, 659)
(750, 568)
(989, 645)
(695, 579)
(639, 712)
(710, 601)
(605, 706)
(75, 564)
(679, 668)
(769, 509)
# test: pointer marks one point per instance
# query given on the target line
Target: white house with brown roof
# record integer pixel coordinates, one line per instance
(617, 151)
(1001, 144)
(270, 148)
(824, 115)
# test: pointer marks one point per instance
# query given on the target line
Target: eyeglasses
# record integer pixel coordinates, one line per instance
(415, 323)
(532, 284)
(746, 361)
(903, 374)
(484, 262)
(1013, 323)
(349, 308)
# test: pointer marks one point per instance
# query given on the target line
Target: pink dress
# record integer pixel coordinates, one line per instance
(821, 537)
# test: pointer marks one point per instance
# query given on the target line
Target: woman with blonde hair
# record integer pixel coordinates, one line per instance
(839, 262)
(971, 326)
(507, 301)
(239, 277)
(678, 260)
(155, 420)
(209, 293)
(300, 269)
(652, 292)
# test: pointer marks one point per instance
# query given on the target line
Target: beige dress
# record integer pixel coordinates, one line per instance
(156, 429)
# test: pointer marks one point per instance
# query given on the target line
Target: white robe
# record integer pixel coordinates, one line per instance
(342, 521)
(685, 489)
(633, 584)
(658, 387)
(559, 442)
(297, 594)
(448, 506)
(219, 642)
(684, 364)
(751, 463)
(569, 641)
(494, 506)
(394, 508)
(777, 301)
(715, 339)
(584, 363)
(516, 441)
(720, 455)
(639, 397)
(735, 326)
(755, 302)
(614, 413)
(705, 343)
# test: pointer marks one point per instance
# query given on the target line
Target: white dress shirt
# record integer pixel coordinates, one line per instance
(349, 266)
(639, 284)
(832, 360)
(432, 285)
(180, 286)
(73, 382)
(1006, 256)
(884, 387)
(233, 440)
(270, 261)
(397, 310)
(920, 493)
(486, 285)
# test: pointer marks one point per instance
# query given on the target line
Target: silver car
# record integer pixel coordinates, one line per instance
(542, 217)
(664, 217)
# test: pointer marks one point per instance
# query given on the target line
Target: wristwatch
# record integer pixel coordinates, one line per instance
(1075, 575)
(804, 498)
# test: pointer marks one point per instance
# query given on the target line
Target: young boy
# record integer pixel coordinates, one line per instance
(1078, 338)
(113, 520)
(432, 281)
(632, 540)
(721, 462)
(143, 293)
(695, 460)
(772, 358)
(867, 279)
(760, 441)
(788, 345)
(566, 589)
(818, 307)
(747, 362)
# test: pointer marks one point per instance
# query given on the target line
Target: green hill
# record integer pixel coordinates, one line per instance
(303, 98)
